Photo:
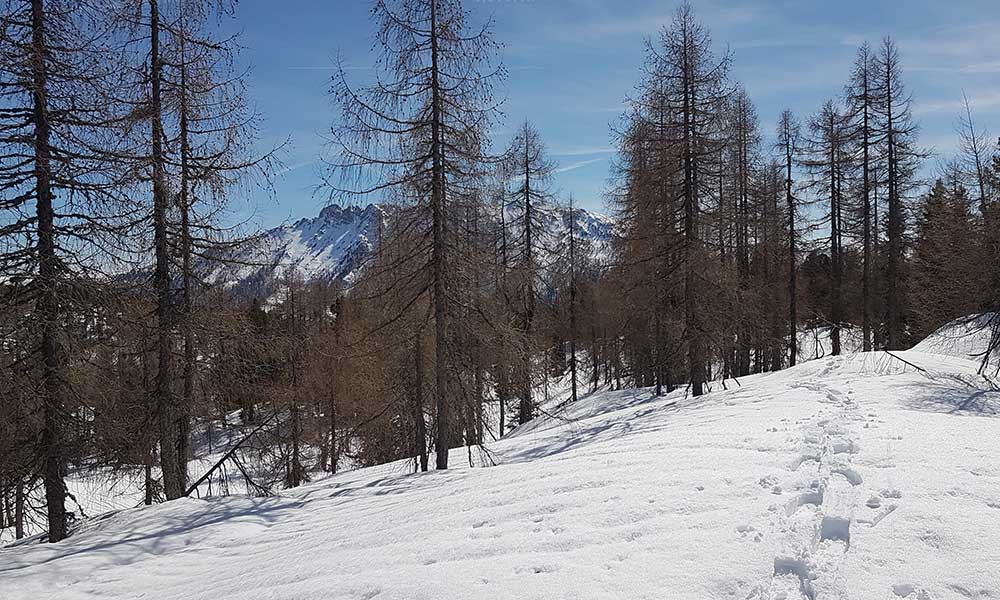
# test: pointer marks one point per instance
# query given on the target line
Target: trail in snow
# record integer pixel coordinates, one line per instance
(846, 478)
(814, 526)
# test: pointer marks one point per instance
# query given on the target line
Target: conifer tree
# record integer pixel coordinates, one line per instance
(421, 133)
(788, 139)
(899, 157)
(62, 212)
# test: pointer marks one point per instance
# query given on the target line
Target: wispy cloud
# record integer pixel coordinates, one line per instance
(969, 49)
(581, 150)
(577, 165)
(296, 166)
(330, 67)
(600, 23)
(956, 106)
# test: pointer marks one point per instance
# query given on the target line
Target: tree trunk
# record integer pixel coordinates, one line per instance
(420, 429)
(895, 229)
(174, 473)
(866, 220)
(572, 303)
(836, 295)
(52, 388)
(334, 450)
(188, 368)
(793, 324)
(692, 321)
(19, 509)
(526, 408)
(442, 442)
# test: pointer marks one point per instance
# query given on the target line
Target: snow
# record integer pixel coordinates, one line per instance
(330, 245)
(99, 490)
(863, 476)
(967, 337)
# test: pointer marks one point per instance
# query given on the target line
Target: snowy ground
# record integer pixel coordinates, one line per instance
(849, 478)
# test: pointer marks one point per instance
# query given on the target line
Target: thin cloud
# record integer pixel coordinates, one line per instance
(577, 165)
(297, 166)
(957, 106)
(326, 68)
(582, 150)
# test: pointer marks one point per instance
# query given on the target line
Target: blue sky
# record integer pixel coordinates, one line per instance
(572, 62)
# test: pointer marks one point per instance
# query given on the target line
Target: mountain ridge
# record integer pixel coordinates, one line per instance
(333, 245)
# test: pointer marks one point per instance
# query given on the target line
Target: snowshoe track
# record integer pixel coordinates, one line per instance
(814, 528)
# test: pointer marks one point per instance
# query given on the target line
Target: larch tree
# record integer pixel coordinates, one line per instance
(787, 142)
(944, 268)
(673, 135)
(211, 153)
(899, 155)
(862, 99)
(531, 172)
(744, 140)
(974, 146)
(827, 162)
(695, 81)
(421, 132)
(60, 211)
(193, 138)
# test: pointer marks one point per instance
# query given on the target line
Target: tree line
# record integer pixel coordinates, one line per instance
(730, 245)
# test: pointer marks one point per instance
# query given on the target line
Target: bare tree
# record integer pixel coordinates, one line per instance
(788, 140)
(421, 132)
(531, 173)
(827, 161)
(900, 157)
(60, 211)
(862, 99)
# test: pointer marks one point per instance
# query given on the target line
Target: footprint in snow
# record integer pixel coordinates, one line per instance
(800, 460)
(536, 569)
(845, 447)
(882, 513)
(910, 591)
(852, 476)
(768, 481)
(632, 536)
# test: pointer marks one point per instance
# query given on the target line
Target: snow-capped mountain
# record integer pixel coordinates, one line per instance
(334, 244)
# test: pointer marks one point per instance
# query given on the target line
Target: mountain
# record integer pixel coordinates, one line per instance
(871, 475)
(334, 244)
(330, 246)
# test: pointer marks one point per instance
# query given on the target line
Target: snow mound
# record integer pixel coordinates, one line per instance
(967, 337)
(867, 476)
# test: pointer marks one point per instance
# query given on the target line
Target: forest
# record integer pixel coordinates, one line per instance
(129, 138)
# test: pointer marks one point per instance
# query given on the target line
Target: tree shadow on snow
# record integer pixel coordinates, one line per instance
(157, 534)
(955, 395)
(649, 415)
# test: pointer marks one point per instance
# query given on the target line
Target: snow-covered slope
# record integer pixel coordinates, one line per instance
(333, 245)
(968, 337)
(329, 246)
(855, 477)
